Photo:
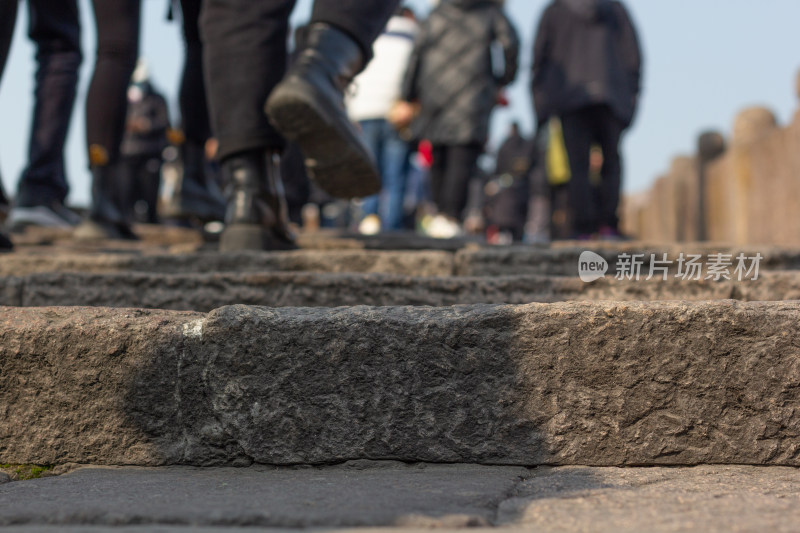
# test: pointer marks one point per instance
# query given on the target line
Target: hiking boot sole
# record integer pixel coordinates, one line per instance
(335, 156)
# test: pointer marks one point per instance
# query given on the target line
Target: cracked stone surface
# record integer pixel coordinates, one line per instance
(408, 497)
(562, 384)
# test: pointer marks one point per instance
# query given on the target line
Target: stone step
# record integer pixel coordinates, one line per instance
(472, 260)
(206, 292)
(403, 498)
(544, 384)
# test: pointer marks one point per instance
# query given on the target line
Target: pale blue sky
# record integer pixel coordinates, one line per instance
(705, 60)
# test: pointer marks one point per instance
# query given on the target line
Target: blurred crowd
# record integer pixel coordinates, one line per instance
(374, 121)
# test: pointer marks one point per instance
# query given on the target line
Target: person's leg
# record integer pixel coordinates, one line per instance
(192, 94)
(372, 134)
(461, 165)
(307, 106)
(117, 25)
(582, 214)
(55, 28)
(394, 171)
(437, 175)
(198, 199)
(8, 18)
(362, 20)
(608, 130)
(244, 58)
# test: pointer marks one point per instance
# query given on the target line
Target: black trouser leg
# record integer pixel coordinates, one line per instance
(194, 109)
(117, 24)
(245, 57)
(460, 164)
(582, 213)
(608, 131)
(8, 18)
(363, 20)
(437, 174)
(55, 28)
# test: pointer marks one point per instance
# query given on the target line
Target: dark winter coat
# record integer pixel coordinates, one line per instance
(451, 73)
(586, 53)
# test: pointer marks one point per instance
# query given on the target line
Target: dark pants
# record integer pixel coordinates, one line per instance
(139, 177)
(55, 28)
(245, 57)
(592, 209)
(192, 96)
(117, 24)
(452, 168)
(8, 16)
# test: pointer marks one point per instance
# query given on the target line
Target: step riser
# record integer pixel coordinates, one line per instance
(208, 292)
(562, 384)
(481, 262)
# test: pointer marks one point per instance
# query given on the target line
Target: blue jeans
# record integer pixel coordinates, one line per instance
(55, 28)
(392, 156)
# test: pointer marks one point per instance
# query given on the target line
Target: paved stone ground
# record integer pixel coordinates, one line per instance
(746, 342)
(409, 497)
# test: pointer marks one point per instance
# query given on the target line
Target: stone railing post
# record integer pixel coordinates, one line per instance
(710, 146)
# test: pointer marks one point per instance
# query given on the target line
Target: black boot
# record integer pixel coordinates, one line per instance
(5, 243)
(198, 199)
(256, 217)
(307, 107)
(108, 218)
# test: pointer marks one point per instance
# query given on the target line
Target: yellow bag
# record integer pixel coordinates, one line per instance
(557, 161)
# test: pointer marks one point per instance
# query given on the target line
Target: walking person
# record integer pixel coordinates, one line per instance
(587, 72)
(139, 171)
(43, 186)
(197, 198)
(117, 24)
(245, 58)
(453, 78)
(378, 90)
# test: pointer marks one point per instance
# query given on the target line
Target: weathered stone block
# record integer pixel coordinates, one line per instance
(563, 384)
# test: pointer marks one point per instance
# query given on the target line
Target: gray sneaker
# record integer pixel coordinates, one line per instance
(54, 215)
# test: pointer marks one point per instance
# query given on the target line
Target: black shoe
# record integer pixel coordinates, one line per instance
(307, 107)
(108, 218)
(198, 199)
(256, 217)
(5, 243)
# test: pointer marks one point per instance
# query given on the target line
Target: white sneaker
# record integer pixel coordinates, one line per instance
(370, 225)
(442, 227)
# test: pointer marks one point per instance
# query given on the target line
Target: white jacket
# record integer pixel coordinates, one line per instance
(377, 88)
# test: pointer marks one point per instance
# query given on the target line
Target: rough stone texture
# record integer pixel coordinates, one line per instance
(351, 495)
(404, 498)
(65, 375)
(11, 291)
(597, 384)
(206, 292)
(4, 478)
(708, 499)
(557, 260)
(421, 263)
(563, 260)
